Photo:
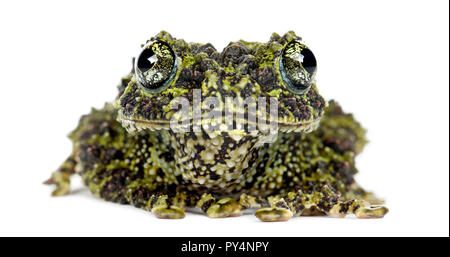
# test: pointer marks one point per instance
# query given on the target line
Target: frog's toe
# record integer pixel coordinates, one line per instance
(62, 186)
(172, 212)
(223, 208)
(61, 178)
(273, 214)
(371, 212)
(60, 191)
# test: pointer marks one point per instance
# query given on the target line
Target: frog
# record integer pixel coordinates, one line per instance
(151, 148)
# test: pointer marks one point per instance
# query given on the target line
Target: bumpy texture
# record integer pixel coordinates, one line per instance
(127, 153)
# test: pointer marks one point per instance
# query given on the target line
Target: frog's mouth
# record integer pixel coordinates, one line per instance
(216, 127)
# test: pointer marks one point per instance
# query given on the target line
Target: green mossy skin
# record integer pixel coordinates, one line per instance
(156, 169)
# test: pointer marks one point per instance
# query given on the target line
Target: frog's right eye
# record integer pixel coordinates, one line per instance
(156, 66)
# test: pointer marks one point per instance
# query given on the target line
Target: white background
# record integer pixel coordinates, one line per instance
(386, 61)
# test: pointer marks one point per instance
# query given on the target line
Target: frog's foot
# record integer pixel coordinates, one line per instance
(162, 205)
(61, 178)
(165, 207)
(225, 207)
(325, 202)
(330, 203)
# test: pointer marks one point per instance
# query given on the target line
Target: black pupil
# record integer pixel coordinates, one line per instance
(309, 61)
(146, 60)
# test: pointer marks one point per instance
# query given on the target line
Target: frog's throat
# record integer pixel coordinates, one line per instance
(220, 164)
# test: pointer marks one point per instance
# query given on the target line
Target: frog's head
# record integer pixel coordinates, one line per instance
(181, 87)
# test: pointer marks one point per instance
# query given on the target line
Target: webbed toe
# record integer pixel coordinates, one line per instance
(371, 212)
(273, 214)
(172, 212)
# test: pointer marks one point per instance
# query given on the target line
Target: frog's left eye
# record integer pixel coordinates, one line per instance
(298, 67)
(155, 67)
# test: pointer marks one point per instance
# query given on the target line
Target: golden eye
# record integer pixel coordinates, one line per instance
(298, 67)
(156, 66)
